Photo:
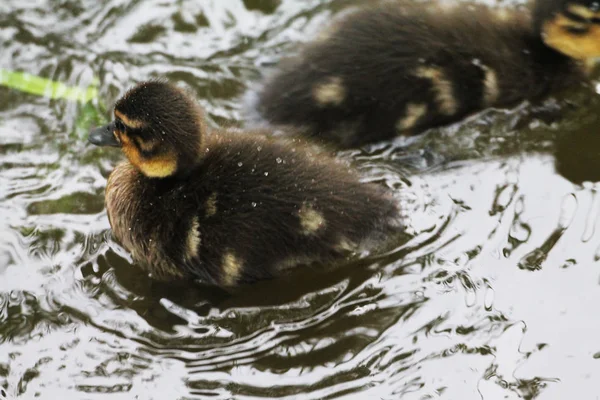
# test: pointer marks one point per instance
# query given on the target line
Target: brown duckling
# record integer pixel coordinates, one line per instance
(229, 208)
(394, 68)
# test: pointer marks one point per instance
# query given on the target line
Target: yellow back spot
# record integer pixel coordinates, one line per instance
(330, 93)
(131, 123)
(231, 269)
(589, 66)
(310, 220)
(211, 205)
(491, 90)
(346, 245)
(193, 239)
(502, 14)
(293, 262)
(442, 87)
(580, 46)
(414, 112)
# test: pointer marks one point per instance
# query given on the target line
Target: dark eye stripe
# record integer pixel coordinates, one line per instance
(596, 20)
(148, 153)
(120, 125)
(147, 149)
(577, 29)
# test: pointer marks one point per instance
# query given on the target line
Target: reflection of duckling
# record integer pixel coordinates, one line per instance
(228, 208)
(397, 69)
(577, 153)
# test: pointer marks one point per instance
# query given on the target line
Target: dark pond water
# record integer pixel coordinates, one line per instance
(496, 297)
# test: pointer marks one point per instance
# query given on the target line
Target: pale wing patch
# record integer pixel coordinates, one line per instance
(414, 112)
(330, 93)
(502, 14)
(346, 245)
(442, 87)
(491, 89)
(211, 205)
(193, 239)
(293, 262)
(231, 269)
(310, 220)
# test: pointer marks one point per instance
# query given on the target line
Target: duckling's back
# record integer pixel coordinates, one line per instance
(397, 69)
(253, 208)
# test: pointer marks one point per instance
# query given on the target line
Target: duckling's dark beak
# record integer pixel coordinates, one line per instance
(104, 136)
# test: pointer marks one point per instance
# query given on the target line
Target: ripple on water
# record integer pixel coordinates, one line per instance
(492, 297)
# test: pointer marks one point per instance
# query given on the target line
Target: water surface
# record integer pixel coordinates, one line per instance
(495, 297)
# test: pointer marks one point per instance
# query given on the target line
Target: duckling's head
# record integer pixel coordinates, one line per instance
(571, 27)
(159, 128)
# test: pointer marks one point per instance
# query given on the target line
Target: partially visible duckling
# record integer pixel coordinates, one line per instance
(392, 68)
(229, 208)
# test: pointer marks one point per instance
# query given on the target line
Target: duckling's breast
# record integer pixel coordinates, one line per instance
(136, 221)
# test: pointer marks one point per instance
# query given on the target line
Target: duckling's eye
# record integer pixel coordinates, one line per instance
(120, 126)
(577, 29)
(595, 20)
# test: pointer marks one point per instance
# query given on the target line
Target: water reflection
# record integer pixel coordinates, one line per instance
(449, 314)
(578, 150)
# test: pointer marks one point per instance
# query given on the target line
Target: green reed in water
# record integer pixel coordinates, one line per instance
(90, 114)
(37, 85)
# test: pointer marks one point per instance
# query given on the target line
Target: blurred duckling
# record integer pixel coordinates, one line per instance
(229, 208)
(394, 68)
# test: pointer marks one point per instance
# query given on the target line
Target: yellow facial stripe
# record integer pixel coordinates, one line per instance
(123, 138)
(580, 46)
(131, 123)
(145, 145)
(159, 166)
(566, 22)
(582, 11)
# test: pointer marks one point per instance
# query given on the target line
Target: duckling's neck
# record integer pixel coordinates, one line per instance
(176, 176)
(571, 69)
(554, 71)
(168, 165)
(150, 186)
(544, 54)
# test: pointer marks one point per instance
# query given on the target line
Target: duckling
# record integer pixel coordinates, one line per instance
(394, 68)
(229, 208)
